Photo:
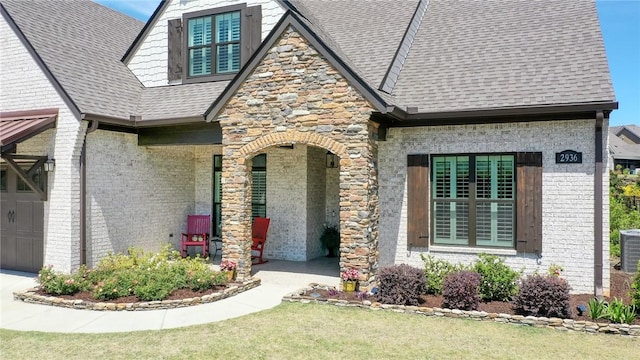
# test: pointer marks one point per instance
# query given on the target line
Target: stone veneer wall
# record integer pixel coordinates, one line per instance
(567, 189)
(295, 96)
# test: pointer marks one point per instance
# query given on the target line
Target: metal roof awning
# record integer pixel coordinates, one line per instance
(17, 126)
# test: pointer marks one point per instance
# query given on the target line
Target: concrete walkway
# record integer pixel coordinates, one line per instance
(278, 278)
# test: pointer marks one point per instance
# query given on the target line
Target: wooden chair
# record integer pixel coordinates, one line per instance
(259, 236)
(198, 228)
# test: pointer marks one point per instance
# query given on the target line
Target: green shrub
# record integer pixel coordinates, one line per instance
(435, 270)
(146, 275)
(598, 309)
(497, 280)
(460, 290)
(620, 313)
(400, 285)
(635, 293)
(55, 283)
(621, 217)
(201, 277)
(543, 296)
(116, 286)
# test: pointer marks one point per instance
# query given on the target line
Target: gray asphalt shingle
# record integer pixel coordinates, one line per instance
(177, 101)
(466, 55)
(81, 42)
(492, 54)
(367, 32)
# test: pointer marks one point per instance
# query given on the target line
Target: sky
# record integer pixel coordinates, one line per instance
(620, 23)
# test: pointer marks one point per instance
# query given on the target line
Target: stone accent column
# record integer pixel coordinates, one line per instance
(236, 212)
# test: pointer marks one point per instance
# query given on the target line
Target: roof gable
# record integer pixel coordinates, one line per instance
(303, 27)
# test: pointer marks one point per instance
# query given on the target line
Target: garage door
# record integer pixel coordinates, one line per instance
(21, 223)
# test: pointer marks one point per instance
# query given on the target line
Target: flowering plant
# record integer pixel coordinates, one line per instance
(227, 265)
(555, 270)
(350, 275)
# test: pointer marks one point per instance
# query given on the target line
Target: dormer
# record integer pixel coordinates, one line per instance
(190, 41)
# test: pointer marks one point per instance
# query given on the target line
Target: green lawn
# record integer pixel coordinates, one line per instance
(297, 331)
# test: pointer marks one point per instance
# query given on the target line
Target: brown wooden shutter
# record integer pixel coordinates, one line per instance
(174, 63)
(418, 200)
(529, 202)
(251, 32)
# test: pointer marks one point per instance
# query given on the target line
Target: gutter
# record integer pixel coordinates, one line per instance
(83, 193)
(597, 209)
(412, 113)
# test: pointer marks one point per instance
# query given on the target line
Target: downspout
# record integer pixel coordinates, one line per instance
(83, 193)
(597, 203)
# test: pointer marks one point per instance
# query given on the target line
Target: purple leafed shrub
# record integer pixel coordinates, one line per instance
(543, 296)
(460, 290)
(400, 285)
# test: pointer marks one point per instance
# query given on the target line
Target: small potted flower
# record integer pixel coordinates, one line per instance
(350, 279)
(229, 267)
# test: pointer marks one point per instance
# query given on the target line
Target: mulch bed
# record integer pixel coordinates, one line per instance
(620, 288)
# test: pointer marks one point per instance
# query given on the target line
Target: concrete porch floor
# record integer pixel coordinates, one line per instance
(278, 278)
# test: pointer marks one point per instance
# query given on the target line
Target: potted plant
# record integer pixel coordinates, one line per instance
(229, 267)
(330, 240)
(350, 279)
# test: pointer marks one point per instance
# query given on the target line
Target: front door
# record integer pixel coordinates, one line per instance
(21, 223)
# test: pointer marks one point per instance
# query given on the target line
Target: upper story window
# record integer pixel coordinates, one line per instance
(213, 44)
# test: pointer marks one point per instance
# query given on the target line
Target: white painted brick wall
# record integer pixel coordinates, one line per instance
(332, 216)
(136, 195)
(287, 203)
(23, 86)
(316, 202)
(567, 191)
(204, 177)
(149, 63)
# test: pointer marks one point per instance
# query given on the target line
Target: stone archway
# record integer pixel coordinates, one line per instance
(358, 250)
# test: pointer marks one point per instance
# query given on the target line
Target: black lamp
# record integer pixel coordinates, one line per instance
(332, 160)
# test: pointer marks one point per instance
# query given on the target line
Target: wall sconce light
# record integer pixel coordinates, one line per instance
(49, 165)
(332, 160)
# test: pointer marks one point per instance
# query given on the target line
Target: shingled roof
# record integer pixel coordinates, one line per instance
(473, 55)
(419, 57)
(81, 43)
(495, 54)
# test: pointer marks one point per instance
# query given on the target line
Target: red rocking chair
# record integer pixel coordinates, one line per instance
(259, 236)
(198, 227)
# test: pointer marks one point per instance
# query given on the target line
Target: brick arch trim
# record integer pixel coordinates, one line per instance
(293, 137)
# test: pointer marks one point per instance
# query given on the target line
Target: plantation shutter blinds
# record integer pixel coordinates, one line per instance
(228, 42)
(495, 207)
(199, 43)
(418, 200)
(259, 186)
(529, 202)
(174, 63)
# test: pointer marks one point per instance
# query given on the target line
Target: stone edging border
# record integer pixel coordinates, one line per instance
(30, 296)
(543, 322)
